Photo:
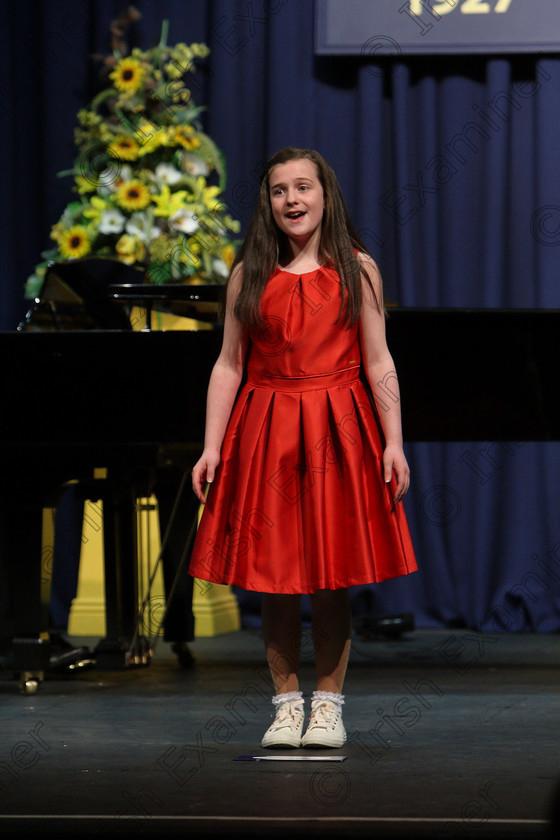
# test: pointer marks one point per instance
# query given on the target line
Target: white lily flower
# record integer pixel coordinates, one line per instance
(140, 225)
(220, 267)
(167, 174)
(184, 220)
(111, 221)
(195, 165)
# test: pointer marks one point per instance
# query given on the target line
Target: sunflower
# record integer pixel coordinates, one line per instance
(128, 75)
(123, 148)
(185, 135)
(133, 195)
(74, 243)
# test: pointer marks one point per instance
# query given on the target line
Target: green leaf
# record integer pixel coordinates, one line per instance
(164, 33)
(32, 286)
(102, 96)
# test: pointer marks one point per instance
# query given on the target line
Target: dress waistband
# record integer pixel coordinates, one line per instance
(304, 383)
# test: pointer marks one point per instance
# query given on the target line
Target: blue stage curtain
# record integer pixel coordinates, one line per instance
(451, 173)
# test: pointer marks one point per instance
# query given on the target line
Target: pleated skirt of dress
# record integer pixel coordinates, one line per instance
(299, 502)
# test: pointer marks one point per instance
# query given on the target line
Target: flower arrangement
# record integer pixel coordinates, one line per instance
(148, 179)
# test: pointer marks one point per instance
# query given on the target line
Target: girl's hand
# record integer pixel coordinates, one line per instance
(204, 471)
(394, 459)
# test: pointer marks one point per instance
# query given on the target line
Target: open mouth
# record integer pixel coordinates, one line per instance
(295, 214)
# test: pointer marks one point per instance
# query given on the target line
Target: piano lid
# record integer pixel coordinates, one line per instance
(98, 294)
(74, 297)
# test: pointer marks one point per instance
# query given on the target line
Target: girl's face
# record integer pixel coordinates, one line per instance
(296, 198)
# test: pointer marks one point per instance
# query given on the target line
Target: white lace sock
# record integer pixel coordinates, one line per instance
(288, 697)
(336, 699)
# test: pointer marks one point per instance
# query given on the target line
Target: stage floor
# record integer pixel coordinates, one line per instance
(451, 734)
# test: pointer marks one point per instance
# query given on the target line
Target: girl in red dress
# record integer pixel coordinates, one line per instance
(303, 448)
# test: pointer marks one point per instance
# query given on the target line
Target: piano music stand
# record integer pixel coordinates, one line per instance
(198, 301)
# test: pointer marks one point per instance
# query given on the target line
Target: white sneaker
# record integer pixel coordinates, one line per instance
(286, 729)
(325, 727)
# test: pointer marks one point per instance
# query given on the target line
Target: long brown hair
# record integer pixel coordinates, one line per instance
(264, 244)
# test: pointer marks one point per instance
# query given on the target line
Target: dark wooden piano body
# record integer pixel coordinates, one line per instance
(134, 402)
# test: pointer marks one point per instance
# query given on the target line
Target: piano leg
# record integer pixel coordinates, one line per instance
(179, 617)
(23, 614)
(121, 578)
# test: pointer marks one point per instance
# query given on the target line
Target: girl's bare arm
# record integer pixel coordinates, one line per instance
(222, 389)
(382, 377)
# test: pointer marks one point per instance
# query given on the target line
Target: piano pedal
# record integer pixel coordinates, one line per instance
(139, 654)
(115, 654)
(73, 659)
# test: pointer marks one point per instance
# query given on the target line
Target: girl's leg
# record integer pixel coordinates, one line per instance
(281, 625)
(281, 622)
(332, 630)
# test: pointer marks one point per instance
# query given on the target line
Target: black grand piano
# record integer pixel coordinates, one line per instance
(83, 390)
(78, 397)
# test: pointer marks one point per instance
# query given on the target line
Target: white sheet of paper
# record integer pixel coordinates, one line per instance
(290, 758)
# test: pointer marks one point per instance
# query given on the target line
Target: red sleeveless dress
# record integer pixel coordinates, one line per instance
(299, 502)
